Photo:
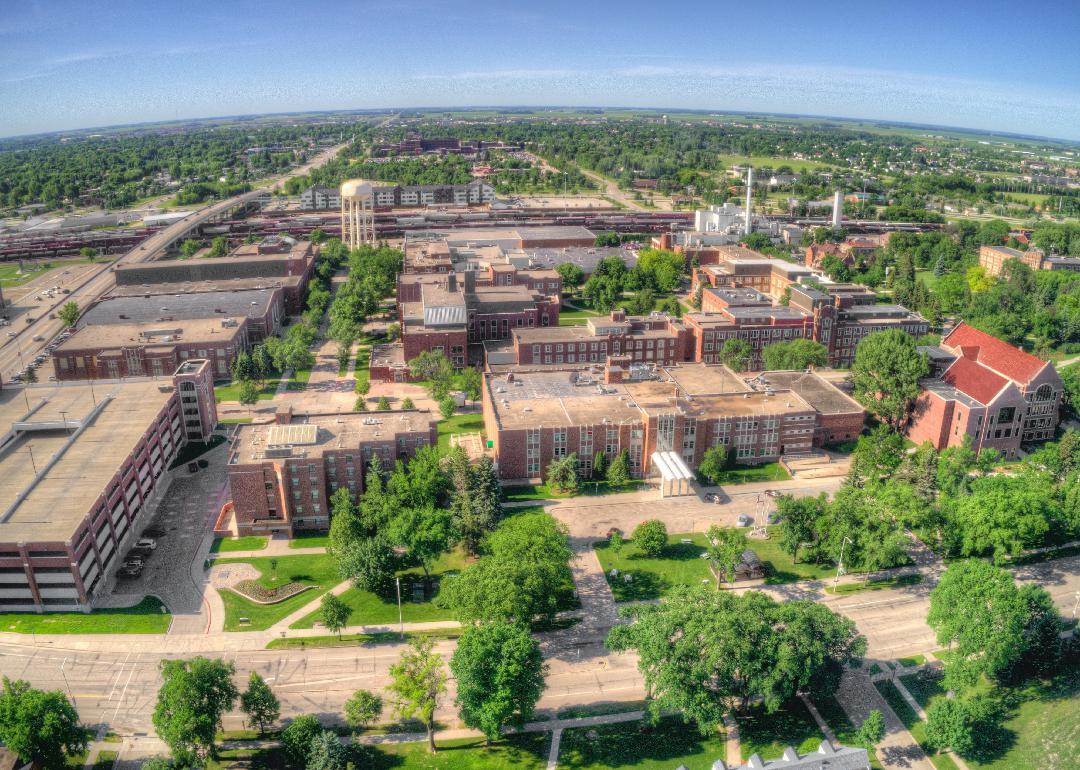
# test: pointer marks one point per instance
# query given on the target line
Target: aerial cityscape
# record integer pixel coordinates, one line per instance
(605, 387)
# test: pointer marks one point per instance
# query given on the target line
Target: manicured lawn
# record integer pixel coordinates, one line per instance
(471, 422)
(249, 543)
(196, 449)
(370, 609)
(359, 640)
(876, 584)
(320, 571)
(779, 567)
(836, 718)
(10, 276)
(146, 617)
(600, 709)
(745, 474)
(299, 379)
(310, 540)
(105, 760)
(231, 391)
(527, 751)
(624, 746)
(679, 565)
(769, 734)
(237, 421)
(585, 489)
(912, 722)
(912, 660)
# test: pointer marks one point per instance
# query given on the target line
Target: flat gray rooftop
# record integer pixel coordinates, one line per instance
(180, 307)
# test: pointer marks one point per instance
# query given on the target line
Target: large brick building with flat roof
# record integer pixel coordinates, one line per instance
(283, 474)
(534, 417)
(82, 469)
(989, 390)
(149, 349)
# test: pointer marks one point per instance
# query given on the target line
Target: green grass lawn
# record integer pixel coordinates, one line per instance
(836, 718)
(319, 570)
(146, 617)
(471, 422)
(195, 449)
(370, 609)
(912, 660)
(231, 391)
(310, 540)
(10, 276)
(780, 570)
(585, 488)
(745, 474)
(237, 420)
(624, 746)
(769, 734)
(877, 584)
(249, 543)
(679, 565)
(299, 380)
(105, 760)
(359, 640)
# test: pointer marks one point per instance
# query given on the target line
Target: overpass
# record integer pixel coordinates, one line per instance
(19, 350)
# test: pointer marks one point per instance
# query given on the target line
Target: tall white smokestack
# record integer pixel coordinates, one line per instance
(749, 197)
(837, 209)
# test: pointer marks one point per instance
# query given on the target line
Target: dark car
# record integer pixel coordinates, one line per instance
(193, 467)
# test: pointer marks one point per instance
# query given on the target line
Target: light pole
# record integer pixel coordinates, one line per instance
(840, 564)
(401, 620)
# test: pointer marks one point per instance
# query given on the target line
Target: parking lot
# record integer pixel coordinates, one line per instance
(39, 360)
(179, 525)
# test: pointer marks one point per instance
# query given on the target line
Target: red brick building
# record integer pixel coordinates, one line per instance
(534, 417)
(282, 475)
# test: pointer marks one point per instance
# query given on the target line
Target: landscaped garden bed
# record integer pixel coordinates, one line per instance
(254, 591)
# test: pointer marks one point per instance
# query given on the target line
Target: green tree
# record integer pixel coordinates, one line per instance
(618, 473)
(88, 252)
(886, 374)
(703, 653)
(334, 613)
(571, 274)
(69, 313)
(562, 473)
(407, 403)
(299, 736)
(191, 702)
(796, 354)
(363, 709)
(713, 463)
(447, 407)
(383, 405)
(969, 726)
(698, 294)
(725, 550)
(40, 726)
(736, 353)
(799, 517)
(872, 729)
(317, 235)
(369, 563)
(650, 537)
(259, 703)
(219, 247)
(244, 367)
(470, 382)
(362, 387)
(425, 531)
(876, 456)
(418, 681)
(189, 248)
(499, 671)
(435, 368)
(599, 466)
(248, 393)
(360, 405)
(327, 753)
(1001, 516)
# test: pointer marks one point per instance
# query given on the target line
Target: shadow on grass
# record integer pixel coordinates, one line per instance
(628, 744)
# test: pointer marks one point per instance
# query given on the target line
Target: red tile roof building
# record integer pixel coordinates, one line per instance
(992, 391)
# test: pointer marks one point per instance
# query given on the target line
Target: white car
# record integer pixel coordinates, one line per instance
(146, 542)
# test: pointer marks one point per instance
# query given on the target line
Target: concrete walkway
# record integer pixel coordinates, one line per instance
(903, 690)
(898, 749)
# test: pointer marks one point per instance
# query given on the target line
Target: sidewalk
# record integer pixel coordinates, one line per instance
(898, 749)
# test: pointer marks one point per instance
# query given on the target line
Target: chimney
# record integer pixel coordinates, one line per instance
(451, 282)
(470, 282)
(749, 197)
(837, 209)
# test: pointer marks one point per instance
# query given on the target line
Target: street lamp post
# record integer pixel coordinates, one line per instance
(840, 564)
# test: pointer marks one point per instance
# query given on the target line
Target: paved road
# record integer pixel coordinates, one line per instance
(98, 281)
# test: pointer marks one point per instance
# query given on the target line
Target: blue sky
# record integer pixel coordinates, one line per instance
(992, 65)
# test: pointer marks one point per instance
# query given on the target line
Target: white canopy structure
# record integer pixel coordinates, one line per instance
(675, 477)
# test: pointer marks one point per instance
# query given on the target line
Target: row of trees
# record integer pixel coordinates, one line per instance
(657, 272)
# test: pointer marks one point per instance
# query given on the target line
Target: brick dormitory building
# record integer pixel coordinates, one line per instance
(282, 475)
(533, 417)
(994, 258)
(82, 467)
(989, 390)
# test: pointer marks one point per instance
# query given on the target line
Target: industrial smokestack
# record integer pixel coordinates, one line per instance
(749, 197)
(837, 209)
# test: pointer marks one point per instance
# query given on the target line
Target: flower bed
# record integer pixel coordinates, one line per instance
(254, 591)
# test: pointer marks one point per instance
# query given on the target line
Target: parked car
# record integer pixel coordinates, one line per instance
(712, 497)
(193, 467)
(129, 572)
(146, 542)
(773, 492)
(745, 520)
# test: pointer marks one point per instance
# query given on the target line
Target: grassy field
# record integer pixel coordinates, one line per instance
(249, 543)
(1044, 723)
(746, 474)
(310, 540)
(875, 585)
(624, 746)
(319, 571)
(769, 734)
(146, 617)
(358, 640)
(773, 161)
(10, 275)
(370, 609)
(471, 422)
(779, 566)
(679, 565)
(231, 392)
(585, 489)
